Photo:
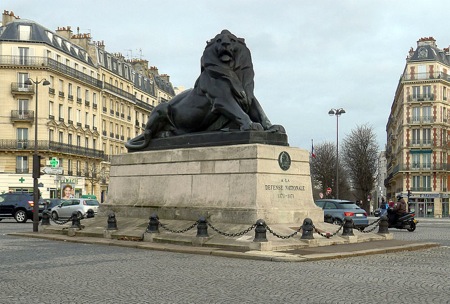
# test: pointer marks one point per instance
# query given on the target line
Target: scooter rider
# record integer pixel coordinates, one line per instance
(399, 208)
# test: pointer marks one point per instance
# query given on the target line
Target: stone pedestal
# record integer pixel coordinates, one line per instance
(228, 184)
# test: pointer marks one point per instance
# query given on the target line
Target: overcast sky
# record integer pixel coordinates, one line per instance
(308, 56)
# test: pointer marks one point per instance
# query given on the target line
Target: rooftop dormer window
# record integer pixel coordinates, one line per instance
(24, 32)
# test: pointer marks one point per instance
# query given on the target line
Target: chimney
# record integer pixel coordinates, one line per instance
(8, 17)
(426, 41)
(153, 70)
(165, 77)
(64, 32)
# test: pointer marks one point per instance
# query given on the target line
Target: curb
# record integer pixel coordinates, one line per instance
(273, 256)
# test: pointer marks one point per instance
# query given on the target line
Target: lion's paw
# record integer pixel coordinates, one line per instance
(253, 126)
(277, 128)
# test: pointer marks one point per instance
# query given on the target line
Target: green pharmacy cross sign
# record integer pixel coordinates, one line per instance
(54, 162)
(21, 180)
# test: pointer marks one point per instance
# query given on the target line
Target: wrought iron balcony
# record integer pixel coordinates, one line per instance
(22, 115)
(21, 88)
(45, 145)
(421, 97)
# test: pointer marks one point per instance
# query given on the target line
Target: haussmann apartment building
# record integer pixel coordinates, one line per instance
(95, 101)
(417, 150)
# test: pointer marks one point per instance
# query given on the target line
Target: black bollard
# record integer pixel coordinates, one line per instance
(202, 227)
(347, 230)
(383, 225)
(75, 220)
(90, 213)
(153, 224)
(45, 218)
(112, 223)
(260, 231)
(307, 229)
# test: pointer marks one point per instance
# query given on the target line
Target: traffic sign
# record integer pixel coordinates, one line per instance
(53, 171)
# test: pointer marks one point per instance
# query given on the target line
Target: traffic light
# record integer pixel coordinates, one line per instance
(36, 166)
(409, 194)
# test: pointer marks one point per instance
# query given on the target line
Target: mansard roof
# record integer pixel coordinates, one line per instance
(40, 34)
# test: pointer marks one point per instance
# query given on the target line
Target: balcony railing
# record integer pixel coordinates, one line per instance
(426, 76)
(420, 120)
(22, 115)
(420, 143)
(12, 144)
(421, 97)
(21, 88)
(118, 91)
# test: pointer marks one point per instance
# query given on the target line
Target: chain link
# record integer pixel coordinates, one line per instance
(163, 226)
(375, 223)
(283, 236)
(231, 234)
(328, 235)
(60, 222)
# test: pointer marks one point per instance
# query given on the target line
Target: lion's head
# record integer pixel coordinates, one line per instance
(226, 50)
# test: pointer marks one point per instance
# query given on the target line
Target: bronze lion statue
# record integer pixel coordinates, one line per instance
(222, 97)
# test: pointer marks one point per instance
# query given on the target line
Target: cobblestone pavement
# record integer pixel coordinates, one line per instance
(42, 271)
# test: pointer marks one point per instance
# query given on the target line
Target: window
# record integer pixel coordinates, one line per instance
(426, 136)
(78, 92)
(69, 138)
(61, 111)
(21, 78)
(86, 118)
(427, 91)
(415, 114)
(94, 143)
(94, 98)
(50, 135)
(416, 92)
(50, 108)
(69, 90)
(61, 85)
(427, 160)
(23, 55)
(426, 183)
(22, 106)
(61, 137)
(22, 164)
(78, 116)
(416, 182)
(78, 140)
(86, 95)
(416, 161)
(24, 32)
(94, 118)
(86, 142)
(103, 125)
(426, 112)
(69, 165)
(22, 138)
(415, 137)
(69, 113)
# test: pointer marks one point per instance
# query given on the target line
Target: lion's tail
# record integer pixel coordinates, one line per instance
(139, 142)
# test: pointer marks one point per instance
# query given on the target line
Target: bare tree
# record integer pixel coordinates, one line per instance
(323, 171)
(95, 173)
(359, 155)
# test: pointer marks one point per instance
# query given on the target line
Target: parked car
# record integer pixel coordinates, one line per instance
(79, 205)
(381, 211)
(18, 205)
(51, 202)
(336, 210)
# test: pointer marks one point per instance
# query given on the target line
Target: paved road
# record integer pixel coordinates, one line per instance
(41, 271)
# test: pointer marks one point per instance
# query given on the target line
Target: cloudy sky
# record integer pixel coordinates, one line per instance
(308, 56)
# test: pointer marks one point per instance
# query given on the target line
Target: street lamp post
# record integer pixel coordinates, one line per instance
(337, 113)
(36, 160)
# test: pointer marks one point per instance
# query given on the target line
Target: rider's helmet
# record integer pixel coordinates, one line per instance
(399, 197)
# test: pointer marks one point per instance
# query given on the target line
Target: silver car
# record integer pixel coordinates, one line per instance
(79, 205)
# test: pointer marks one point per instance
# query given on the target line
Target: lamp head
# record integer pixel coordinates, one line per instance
(46, 82)
(331, 112)
(28, 82)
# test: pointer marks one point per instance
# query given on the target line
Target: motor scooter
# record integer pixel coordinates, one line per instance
(406, 221)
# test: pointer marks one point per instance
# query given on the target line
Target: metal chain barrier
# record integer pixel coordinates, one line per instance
(283, 236)
(60, 222)
(163, 226)
(375, 223)
(328, 235)
(231, 234)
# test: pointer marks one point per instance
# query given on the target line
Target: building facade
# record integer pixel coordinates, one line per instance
(417, 150)
(95, 102)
